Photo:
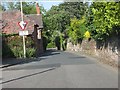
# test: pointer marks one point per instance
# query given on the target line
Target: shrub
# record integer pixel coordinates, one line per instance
(87, 34)
(58, 42)
(30, 52)
(13, 46)
(18, 52)
(45, 42)
(51, 45)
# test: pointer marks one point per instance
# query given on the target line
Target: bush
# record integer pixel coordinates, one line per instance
(51, 45)
(30, 52)
(45, 43)
(13, 46)
(6, 51)
(18, 52)
(58, 42)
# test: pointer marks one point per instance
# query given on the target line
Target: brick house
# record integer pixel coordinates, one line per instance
(10, 25)
(10, 21)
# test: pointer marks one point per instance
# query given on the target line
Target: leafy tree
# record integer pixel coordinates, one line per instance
(2, 8)
(106, 19)
(75, 9)
(56, 21)
(58, 18)
(57, 42)
(77, 29)
(28, 7)
(11, 5)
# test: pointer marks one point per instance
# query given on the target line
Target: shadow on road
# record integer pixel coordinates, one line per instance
(26, 76)
(76, 57)
(7, 62)
(50, 52)
(31, 67)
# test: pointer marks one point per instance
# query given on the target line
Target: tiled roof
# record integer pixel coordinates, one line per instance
(10, 21)
(37, 19)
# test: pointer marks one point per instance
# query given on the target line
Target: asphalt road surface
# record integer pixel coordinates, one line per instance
(57, 69)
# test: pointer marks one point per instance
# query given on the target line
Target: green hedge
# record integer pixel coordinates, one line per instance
(12, 46)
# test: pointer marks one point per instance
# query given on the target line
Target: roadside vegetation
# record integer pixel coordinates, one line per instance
(75, 21)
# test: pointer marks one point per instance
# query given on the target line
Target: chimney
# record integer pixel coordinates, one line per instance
(37, 8)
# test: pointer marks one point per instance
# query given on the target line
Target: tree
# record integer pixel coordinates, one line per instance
(11, 5)
(75, 9)
(2, 8)
(105, 19)
(28, 7)
(77, 29)
(58, 18)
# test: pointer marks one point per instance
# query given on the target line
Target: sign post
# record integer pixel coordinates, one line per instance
(22, 25)
(24, 46)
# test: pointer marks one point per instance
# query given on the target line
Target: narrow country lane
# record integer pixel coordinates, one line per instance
(57, 69)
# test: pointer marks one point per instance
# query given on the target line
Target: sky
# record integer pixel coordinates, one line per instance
(48, 5)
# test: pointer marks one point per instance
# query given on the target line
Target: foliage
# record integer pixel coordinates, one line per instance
(51, 45)
(45, 42)
(58, 42)
(75, 9)
(2, 8)
(106, 19)
(77, 29)
(6, 51)
(57, 19)
(13, 46)
(101, 20)
(87, 34)
(30, 52)
(28, 7)
(11, 5)
(17, 51)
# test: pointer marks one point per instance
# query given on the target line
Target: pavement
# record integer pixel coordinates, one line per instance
(57, 69)
(7, 62)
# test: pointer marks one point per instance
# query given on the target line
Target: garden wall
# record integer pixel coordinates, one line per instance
(107, 52)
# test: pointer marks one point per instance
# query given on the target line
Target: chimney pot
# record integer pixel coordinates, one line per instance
(37, 9)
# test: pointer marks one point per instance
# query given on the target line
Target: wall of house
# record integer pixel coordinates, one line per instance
(107, 52)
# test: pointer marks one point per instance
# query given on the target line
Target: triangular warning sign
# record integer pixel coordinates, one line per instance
(22, 24)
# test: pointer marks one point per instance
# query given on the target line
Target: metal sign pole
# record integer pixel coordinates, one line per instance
(24, 49)
(21, 10)
(24, 46)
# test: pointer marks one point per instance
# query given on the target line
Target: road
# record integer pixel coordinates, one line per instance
(57, 69)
